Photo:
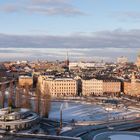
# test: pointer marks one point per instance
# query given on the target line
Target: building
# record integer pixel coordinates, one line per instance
(25, 81)
(17, 119)
(111, 87)
(122, 60)
(101, 86)
(83, 65)
(58, 87)
(132, 87)
(92, 87)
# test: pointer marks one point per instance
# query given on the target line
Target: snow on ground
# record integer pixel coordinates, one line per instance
(124, 137)
(66, 129)
(88, 112)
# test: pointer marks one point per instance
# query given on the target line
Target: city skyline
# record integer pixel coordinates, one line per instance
(89, 30)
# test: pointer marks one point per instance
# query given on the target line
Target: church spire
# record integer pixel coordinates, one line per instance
(67, 60)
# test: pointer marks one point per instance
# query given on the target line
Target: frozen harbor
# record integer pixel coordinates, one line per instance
(118, 136)
(124, 137)
(89, 112)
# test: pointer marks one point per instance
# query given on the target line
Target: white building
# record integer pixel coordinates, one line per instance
(92, 87)
(85, 65)
(17, 119)
(58, 87)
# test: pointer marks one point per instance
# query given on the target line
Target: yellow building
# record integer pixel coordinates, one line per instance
(25, 80)
(132, 87)
(111, 86)
(92, 87)
(58, 87)
(100, 87)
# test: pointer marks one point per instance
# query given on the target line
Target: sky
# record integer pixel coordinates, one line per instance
(87, 29)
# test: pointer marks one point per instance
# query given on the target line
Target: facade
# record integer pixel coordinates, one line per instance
(132, 87)
(58, 87)
(111, 87)
(100, 87)
(92, 87)
(25, 80)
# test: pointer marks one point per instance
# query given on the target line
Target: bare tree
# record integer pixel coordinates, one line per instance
(37, 98)
(46, 102)
(2, 95)
(11, 94)
(26, 97)
(18, 98)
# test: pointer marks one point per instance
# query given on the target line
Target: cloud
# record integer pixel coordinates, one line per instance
(10, 8)
(127, 15)
(67, 11)
(45, 7)
(49, 1)
(104, 44)
(104, 39)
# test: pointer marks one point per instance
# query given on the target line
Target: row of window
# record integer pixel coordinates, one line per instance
(63, 94)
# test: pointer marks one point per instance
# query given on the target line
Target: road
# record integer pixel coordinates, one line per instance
(88, 132)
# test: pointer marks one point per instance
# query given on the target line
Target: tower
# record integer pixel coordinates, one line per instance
(67, 60)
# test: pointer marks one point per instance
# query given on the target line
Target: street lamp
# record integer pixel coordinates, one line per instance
(61, 119)
(63, 106)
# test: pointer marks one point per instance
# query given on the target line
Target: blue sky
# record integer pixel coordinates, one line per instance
(105, 28)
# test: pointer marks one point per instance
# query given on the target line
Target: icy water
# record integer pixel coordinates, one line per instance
(82, 111)
(87, 112)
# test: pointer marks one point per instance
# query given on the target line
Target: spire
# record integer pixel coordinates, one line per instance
(67, 60)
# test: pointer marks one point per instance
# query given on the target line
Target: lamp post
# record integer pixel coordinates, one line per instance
(61, 119)
(63, 106)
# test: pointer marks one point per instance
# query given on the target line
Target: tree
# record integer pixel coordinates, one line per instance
(2, 95)
(37, 98)
(18, 98)
(46, 102)
(26, 97)
(11, 94)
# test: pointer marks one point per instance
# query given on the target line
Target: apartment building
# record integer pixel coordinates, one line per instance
(92, 87)
(59, 87)
(111, 86)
